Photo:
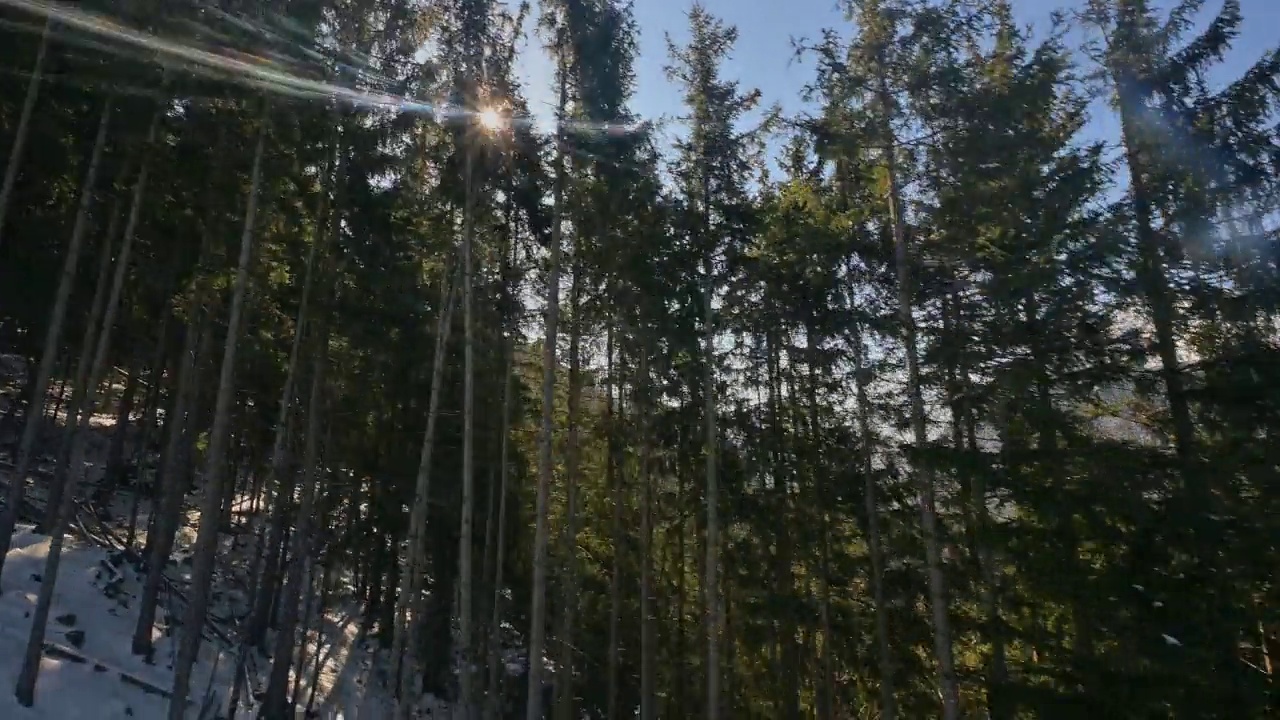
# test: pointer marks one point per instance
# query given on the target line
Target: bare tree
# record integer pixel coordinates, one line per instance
(648, 642)
(411, 599)
(40, 390)
(569, 550)
(62, 498)
(466, 533)
(884, 651)
(211, 504)
(538, 609)
(24, 123)
(275, 705)
(942, 647)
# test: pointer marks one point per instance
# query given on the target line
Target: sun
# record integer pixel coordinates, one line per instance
(490, 119)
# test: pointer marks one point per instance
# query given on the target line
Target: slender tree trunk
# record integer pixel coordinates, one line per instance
(65, 364)
(942, 646)
(152, 404)
(115, 467)
(66, 281)
(67, 485)
(466, 537)
(306, 596)
(821, 486)
(325, 584)
(255, 627)
(24, 128)
(648, 641)
(613, 480)
(538, 611)
(569, 551)
(170, 481)
(495, 624)
(406, 671)
(788, 647)
(207, 536)
(275, 706)
(884, 651)
(712, 569)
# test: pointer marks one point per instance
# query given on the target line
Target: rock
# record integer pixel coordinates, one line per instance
(128, 711)
(75, 637)
(37, 577)
(68, 619)
(99, 668)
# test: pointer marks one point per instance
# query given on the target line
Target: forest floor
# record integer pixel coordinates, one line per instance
(88, 669)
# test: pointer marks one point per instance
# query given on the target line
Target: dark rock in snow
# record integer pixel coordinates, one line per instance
(75, 637)
(37, 577)
(99, 668)
(68, 619)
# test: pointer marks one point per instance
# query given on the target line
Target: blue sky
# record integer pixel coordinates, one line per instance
(764, 59)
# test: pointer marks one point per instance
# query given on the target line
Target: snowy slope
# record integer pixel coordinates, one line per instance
(89, 672)
(105, 685)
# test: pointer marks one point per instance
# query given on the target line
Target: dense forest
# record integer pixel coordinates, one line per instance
(923, 402)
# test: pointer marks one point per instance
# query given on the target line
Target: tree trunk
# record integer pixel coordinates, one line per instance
(24, 128)
(65, 364)
(152, 404)
(494, 692)
(325, 583)
(942, 646)
(821, 487)
(304, 628)
(115, 467)
(712, 568)
(613, 480)
(66, 281)
(255, 628)
(788, 647)
(466, 534)
(169, 481)
(275, 706)
(569, 551)
(546, 438)
(207, 536)
(648, 640)
(884, 651)
(67, 485)
(404, 674)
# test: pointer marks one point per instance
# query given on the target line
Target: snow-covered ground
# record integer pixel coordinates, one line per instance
(88, 669)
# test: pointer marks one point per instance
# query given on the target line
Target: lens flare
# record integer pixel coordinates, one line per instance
(490, 119)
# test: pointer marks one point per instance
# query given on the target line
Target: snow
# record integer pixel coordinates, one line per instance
(97, 677)
(105, 686)
(67, 689)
